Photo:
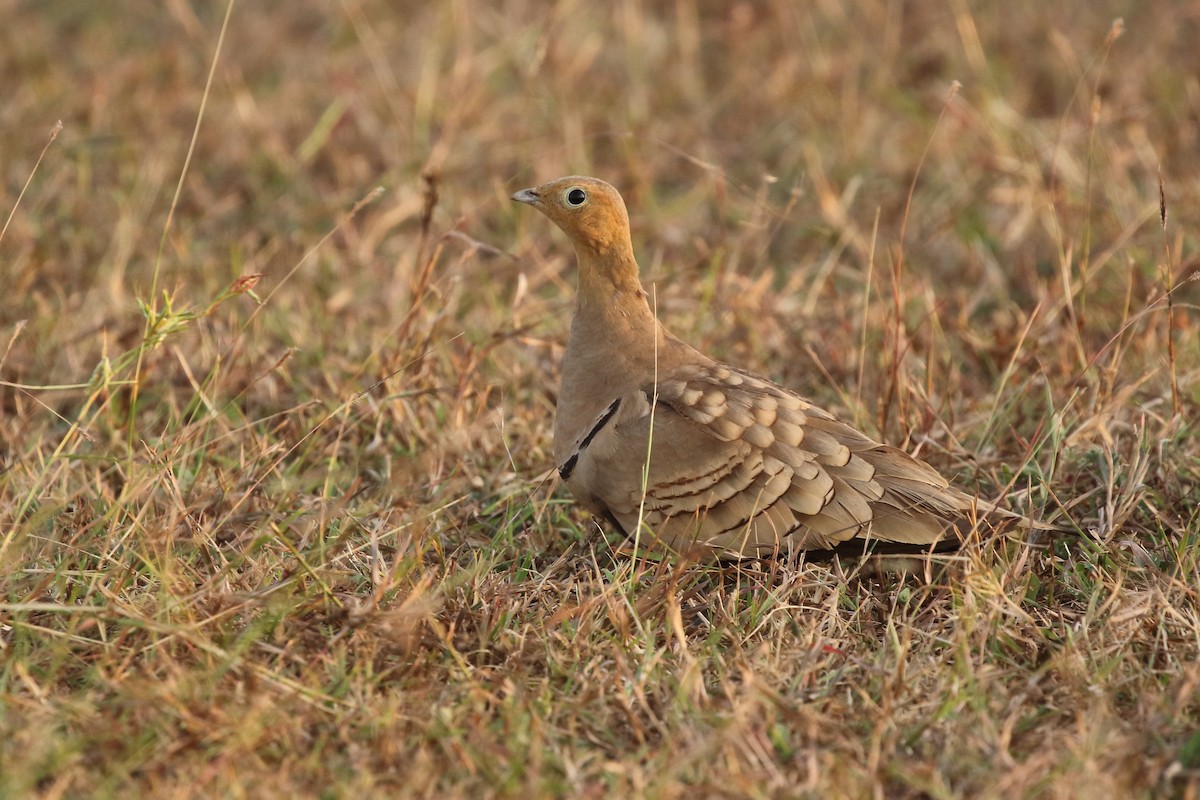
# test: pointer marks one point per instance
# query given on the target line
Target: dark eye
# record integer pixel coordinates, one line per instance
(576, 197)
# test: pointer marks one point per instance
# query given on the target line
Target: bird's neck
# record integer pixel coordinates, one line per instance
(611, 304)
(614, 343)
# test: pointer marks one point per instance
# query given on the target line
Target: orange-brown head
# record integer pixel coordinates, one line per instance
(588, 210)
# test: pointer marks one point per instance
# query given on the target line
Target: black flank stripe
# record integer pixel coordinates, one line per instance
(612, 409)
(568, 466)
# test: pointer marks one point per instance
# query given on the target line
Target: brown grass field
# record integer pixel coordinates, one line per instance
(279, 360)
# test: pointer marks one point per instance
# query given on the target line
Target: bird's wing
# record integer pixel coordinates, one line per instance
(737, 463)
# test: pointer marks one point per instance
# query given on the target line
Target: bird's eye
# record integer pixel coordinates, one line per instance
(576, 197)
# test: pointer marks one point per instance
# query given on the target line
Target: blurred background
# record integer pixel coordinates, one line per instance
(747, 138)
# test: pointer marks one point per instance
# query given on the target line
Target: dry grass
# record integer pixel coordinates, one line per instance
(294, 538)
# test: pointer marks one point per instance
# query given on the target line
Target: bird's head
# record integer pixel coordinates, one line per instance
(588, 210)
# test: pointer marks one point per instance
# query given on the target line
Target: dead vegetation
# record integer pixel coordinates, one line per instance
(274, 514)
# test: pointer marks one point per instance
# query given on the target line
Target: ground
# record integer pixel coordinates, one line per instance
(279, 358)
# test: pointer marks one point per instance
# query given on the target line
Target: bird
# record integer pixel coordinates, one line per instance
(695, 456)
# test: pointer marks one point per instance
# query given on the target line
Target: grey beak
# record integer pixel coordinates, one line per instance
(526, 196)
